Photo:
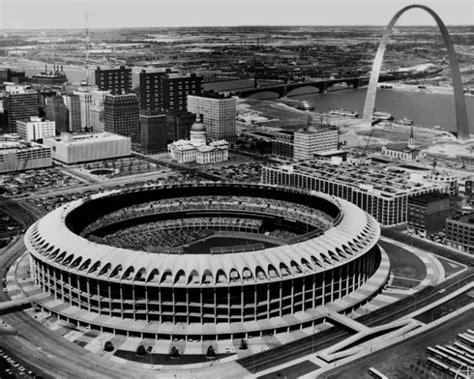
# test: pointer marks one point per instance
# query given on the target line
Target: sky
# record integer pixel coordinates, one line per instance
(48, 14)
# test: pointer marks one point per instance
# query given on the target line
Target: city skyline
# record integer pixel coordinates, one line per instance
(56, 14)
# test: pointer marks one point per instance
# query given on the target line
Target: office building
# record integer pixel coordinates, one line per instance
(427, 213)
(166, 91)
(35, 128)
(55, 110)
(73, 105)
(217, 113)
(20, 155)
(121, 115)
(12, 76)
(97, 110)
(309, 142)
(85, 100)
(116, 80)
(379, 190)
(19, 103)
(153, 133)
(179, 125)
(80, 148)
(283, 144)
(460, 233)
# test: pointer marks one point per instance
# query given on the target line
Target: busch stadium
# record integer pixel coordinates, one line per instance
(205, 261)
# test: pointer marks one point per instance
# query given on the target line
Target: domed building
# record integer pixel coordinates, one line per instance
(196, 148)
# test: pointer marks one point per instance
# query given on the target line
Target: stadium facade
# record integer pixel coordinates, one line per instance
(100, 263)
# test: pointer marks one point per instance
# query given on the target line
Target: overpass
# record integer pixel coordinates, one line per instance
(21, 303)
(284, 89)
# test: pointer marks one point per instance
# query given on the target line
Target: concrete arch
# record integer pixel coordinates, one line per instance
(462, 125)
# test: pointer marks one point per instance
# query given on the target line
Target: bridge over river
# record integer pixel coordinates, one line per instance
(322, 85)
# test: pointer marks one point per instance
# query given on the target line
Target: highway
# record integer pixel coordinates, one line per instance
(326, 338)
(40, 348)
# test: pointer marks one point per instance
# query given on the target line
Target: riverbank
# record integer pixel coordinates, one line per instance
(420, 89)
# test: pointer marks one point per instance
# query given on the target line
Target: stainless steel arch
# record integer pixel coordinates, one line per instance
(459, 101)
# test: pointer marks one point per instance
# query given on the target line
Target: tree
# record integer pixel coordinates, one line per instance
(108, 346)
(141, 352)
(243, 345)
(211, 354)
(174, 353)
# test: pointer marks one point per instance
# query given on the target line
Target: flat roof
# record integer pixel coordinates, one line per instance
(87, 138)
(429, 197)
(386, 179)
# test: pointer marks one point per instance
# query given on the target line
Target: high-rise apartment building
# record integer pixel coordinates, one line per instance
(35, 128)
(309, 142)
(117, 80)
(153, 132)
(56, 110)
(121, 115)
(167, 91)
(19, 103)
(73, 105)
(217, 113)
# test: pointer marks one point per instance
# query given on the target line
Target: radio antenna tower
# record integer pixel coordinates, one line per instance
(87, 51)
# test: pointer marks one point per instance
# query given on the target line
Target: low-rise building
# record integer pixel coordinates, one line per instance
(196, 150)
(404, 151)
(20, 155)
(427, 213)
(309, 142)
(35, 128)
(460, 233)
(80, 148)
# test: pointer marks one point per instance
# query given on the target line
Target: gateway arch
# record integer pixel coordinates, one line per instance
(459, 101)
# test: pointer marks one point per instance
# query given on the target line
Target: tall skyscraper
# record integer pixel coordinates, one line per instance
(56, 110)
(153, 132)
(121, 115)
(85, 99)
(97, 110)
(218, 115)
(73, 105)
(117, 80)
(19, 103)
(167, 91)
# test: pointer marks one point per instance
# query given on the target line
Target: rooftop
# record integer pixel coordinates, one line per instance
(7, 147)
(87, 137)
(429, 197)
(466, 219)
(387, 180)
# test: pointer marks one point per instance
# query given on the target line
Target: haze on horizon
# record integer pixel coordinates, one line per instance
(69, 14)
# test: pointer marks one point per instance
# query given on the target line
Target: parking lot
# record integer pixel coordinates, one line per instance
(34, 181)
